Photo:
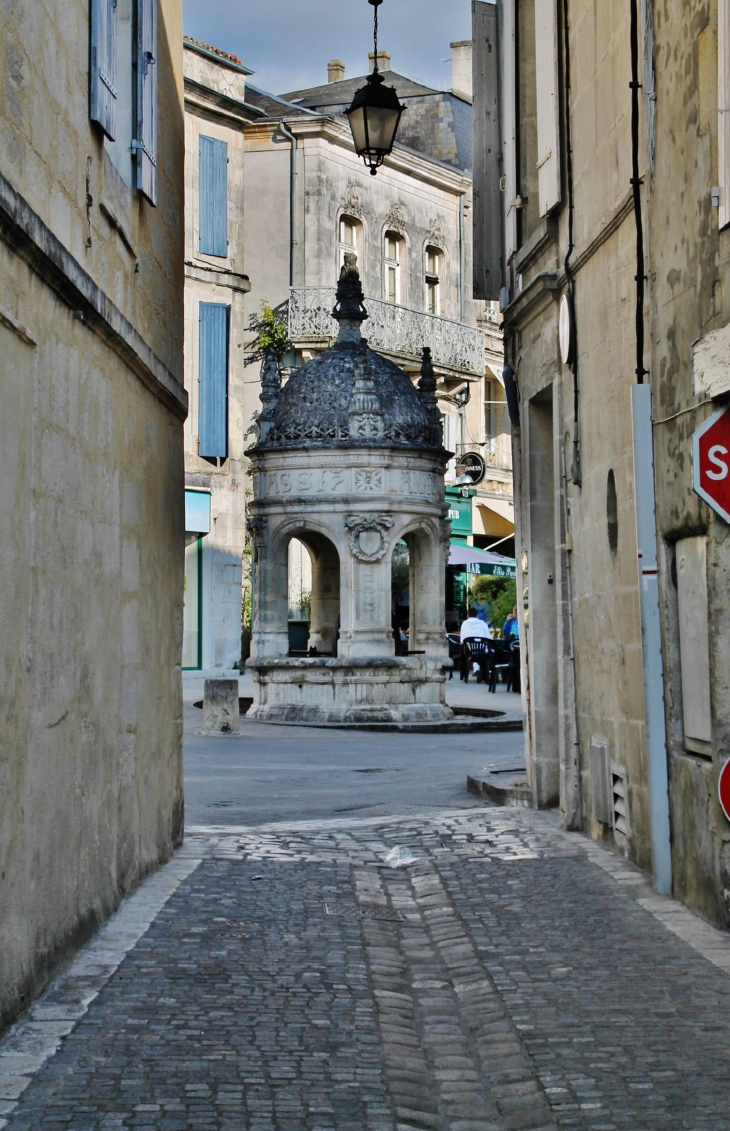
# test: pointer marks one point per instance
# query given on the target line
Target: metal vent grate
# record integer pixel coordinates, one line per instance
(363, 911)
(599, 781)
(620, 800)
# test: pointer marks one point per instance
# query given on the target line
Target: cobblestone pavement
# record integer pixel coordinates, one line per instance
(294, 981)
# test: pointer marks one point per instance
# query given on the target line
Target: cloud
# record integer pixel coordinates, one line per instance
(288, 43)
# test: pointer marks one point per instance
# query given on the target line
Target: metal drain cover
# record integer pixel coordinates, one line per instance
(379, 770)
(363, 911)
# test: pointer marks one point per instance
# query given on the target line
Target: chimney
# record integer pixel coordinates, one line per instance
(335, 70)
(383, 60)
(461, 82)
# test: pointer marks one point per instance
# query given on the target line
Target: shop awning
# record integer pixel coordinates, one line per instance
(484, 562)
(503, 507)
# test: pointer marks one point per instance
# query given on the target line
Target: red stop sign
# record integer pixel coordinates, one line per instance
(723, 789)
(711, 462)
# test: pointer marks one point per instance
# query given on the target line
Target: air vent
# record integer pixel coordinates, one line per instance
(599, 781)
(620, 800)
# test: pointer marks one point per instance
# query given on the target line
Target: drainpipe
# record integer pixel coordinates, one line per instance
(576, 473)
(462, 260)
(646, 534)
(292, 201)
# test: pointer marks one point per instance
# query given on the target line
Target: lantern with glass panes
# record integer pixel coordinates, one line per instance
(375, 112)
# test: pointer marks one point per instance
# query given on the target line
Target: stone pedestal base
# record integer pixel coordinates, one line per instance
(220, 706)
(323, 690)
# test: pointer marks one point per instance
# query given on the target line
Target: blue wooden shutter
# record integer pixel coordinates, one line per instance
(213, 196)
(145, 141)
(213, 380)
(102, 75)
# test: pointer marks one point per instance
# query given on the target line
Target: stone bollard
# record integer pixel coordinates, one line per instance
(220, 706)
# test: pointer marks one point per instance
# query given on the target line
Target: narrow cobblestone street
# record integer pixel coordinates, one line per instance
(290, 979)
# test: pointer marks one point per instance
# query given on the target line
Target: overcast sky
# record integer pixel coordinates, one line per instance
(288, 43)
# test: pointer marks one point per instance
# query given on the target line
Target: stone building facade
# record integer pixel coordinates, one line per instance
(411, 229)
(581, 189)
(215, 285)
(91, 509)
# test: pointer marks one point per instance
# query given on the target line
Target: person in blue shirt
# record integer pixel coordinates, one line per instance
(511, 627)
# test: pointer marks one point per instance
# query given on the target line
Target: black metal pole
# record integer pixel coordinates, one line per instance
(636, 182)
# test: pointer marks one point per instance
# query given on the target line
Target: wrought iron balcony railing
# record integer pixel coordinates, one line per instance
(395, 330)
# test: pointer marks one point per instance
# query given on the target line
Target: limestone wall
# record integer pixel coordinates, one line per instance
(687, 260)
(91, 503)
(689, 269)
(214, 279)
(567, 564)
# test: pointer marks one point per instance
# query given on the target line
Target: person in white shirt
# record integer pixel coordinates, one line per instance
(473, 626)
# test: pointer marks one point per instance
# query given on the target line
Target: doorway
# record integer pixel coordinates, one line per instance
(542, 632)
(313, 583)
(192, 651)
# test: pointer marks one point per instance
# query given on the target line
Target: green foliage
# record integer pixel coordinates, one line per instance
(247, 604)
(305, 605)
(400, 575)
(270, 329)
(499, 594)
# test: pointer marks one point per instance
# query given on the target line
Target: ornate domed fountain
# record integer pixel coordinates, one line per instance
(349, 460)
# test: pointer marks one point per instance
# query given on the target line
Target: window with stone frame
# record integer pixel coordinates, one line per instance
(433, 271)
(349, 238)
(490, 419)
(392, 254)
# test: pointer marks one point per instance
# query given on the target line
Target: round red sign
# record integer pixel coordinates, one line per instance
(723, 788)
(711, 462)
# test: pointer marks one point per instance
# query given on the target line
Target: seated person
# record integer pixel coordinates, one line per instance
(511, 626)
(473, 626)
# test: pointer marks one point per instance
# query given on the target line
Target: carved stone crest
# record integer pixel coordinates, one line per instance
(435, 233)
(366, 535)
(396, 218)
(351, 202)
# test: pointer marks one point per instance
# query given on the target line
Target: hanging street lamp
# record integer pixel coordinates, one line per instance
(375, 113)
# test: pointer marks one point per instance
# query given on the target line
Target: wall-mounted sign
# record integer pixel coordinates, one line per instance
(711, 462)
(490, 569)
(567, 330)
(197, 512)
(473, 465)
(724, 789)
(459, 513)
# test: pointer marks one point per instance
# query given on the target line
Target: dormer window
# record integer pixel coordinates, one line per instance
(433, 273)
(392, 257)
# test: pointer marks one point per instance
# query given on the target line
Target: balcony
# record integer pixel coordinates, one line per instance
(397, 331)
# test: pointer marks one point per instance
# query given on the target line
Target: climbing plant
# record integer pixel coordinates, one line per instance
(269, 328)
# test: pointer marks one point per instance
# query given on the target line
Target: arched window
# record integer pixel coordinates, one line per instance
(392, 259)
(349, 239)
(433, 280)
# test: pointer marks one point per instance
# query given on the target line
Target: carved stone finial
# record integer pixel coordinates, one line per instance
(365, 414)
(349, 306)
(427, 382)
(270, 389)
(427, 389)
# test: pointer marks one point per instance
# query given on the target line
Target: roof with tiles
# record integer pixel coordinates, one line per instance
(215, 52)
